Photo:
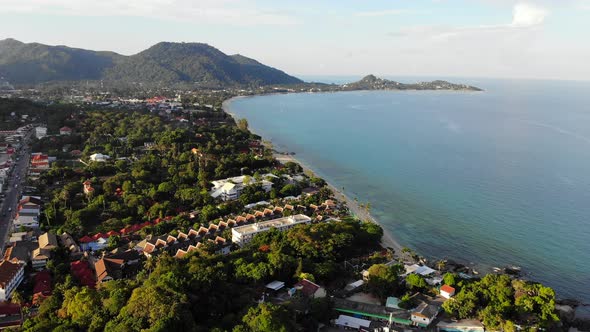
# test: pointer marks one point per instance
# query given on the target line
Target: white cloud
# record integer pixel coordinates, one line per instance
(386, 12)
(199, 11)
(526, 15)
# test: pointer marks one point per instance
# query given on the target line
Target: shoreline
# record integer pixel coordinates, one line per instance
(387, 240)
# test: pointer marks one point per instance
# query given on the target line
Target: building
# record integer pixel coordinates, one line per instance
(463, 325)
(93, 244)
(19, 252)
(231, 188)
(99, 157)
(424, 314)
(68, 241)
(447, 291)
(108, 269)
(28, 212)
(40, 132)
(243, 234)
(88, 189)
(310, 289)
(65, 130)
(26, 219)
(116, 266)
(422, 270)
(39, 164)
(354, 323)
(11, 275)
(41, 255)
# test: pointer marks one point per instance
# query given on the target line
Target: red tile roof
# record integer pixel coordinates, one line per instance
(447, 288)
(86, 239)
(307, 287)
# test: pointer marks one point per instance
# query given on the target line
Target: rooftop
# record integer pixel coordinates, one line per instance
(278, 223)
(8, 270)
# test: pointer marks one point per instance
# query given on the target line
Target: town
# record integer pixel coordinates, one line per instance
(101, 207)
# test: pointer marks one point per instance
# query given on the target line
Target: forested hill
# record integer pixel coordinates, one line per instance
(201, 64)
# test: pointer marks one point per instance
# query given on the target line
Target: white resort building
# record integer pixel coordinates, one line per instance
(231, 188)
(243, 234)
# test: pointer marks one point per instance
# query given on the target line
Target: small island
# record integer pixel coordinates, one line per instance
(371, 82)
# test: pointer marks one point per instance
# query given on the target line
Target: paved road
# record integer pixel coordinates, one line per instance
(18, 177)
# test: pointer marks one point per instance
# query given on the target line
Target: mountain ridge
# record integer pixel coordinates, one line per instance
(164, 62)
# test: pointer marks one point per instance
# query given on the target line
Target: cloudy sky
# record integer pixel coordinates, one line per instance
(469, 38)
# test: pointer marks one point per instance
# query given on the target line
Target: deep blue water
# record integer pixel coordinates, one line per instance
(498, 177)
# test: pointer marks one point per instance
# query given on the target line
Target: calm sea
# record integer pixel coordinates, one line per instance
(493, 178)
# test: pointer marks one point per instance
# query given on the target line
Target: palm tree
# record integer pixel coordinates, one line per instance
(149, 264)
(17, 298)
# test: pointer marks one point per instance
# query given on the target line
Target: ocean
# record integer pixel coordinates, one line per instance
(493, 178)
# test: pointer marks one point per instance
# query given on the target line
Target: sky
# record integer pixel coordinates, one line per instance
(539, 39)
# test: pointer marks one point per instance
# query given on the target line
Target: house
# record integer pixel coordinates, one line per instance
(310, 289)
(88, 243)
(41, 255)
(67, 241)
(447, 291)
(26, 219)
(39, 163)
(116, 266)
(108, 269)
(354, 323)
(65, 130)
(11, 275)
(243, 234)
(39, 258)
(231, 188)
(392, 302)
(88, 189)
(30, 204)
(424, 314)
(463, 325)
(47, 241)
(10, 314)
(19, 252)
(422, 270)
(99, 157)
(40, 132)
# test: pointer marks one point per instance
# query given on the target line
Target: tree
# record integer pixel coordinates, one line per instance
(383, 280)
(290, 190)
(415, 281)
(243, 124)
(267, 317)
(449, 279)
(17, 298)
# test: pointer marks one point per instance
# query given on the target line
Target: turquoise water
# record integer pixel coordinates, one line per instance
(499, 177)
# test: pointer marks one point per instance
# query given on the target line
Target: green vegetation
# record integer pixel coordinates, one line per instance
(164, 62)
(499, 301)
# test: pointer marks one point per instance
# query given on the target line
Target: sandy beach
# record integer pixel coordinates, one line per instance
(386, 241)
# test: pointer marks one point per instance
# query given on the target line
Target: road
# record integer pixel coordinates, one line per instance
(18, 177)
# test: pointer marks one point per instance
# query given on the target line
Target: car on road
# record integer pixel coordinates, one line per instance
(9, 209)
